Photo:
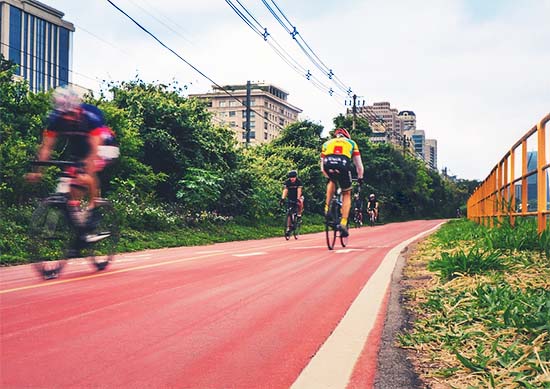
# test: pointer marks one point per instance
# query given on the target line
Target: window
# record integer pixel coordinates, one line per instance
(252, 124)
(231, 113)
(234, 103)
(265, 126)
(232, 124)
(265, 115)
(265, 135)
(223, 103)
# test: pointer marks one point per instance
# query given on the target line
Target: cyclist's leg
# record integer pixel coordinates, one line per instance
(345, 184)
(300, 206)
(331, 188)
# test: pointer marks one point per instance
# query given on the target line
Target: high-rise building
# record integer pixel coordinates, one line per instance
(418, 137)
(431, 153)
(407, 120)
(271, 110)
(36, 38)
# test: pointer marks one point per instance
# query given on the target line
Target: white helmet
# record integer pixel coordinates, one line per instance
(65, 99)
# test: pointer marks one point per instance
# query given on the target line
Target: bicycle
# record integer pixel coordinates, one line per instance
(293, 223)
(357, 218)
(332, 221)
(372, 217)
(59, 229)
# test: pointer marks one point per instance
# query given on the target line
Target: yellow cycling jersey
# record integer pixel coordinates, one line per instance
(340, 146)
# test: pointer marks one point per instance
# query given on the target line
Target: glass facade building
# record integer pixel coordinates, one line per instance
(36, 38)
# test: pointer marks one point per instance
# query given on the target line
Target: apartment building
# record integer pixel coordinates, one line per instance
(418, 138)
(431, 153)
(407, 120)
(35, 37)
(271, 111)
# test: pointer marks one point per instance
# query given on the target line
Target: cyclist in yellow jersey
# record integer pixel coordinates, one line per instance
(336, 157)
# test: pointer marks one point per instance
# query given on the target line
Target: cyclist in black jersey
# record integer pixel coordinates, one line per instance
(372, 205)
(292, 189)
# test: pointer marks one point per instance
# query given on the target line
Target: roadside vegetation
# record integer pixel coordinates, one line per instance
(479, 300)
(181, 173)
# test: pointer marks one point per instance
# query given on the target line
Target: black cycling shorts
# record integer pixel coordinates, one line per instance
(338, 169)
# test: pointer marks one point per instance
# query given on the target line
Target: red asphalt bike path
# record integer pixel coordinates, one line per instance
(248, 314)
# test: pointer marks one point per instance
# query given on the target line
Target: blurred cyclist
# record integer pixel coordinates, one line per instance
(89, 141)
(336, 157)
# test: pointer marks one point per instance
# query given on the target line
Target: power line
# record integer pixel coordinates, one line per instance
(49, 63)
(307, 50)
(183, 59)
(257, 27)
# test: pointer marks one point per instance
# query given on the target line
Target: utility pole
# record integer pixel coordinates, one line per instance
(247, 123)
(354, 112)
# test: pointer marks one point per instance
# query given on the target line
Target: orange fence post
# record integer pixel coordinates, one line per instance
(541, 177)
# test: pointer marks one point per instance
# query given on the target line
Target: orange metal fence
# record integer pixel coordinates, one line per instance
(518, 185)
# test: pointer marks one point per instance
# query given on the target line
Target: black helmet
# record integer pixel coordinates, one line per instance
(292, 173)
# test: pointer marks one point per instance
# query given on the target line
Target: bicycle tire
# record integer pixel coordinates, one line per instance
(102, 252)
(50, 237)
(296, 227)
(331, 223)
(344, 240)
(288, 222)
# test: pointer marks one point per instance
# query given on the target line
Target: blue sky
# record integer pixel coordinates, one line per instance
(475, 72)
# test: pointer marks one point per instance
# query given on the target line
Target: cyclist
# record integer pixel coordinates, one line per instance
(372, 205)
(336, 157)
(292, 189)
(89, 141)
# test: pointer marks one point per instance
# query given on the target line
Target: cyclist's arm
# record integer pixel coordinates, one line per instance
(285, 192)
(299, 192)
(358, 165)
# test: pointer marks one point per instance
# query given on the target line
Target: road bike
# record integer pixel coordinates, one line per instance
(372, 217)
(293, 222)
(332, 221)
(357, 217)
(59, 227)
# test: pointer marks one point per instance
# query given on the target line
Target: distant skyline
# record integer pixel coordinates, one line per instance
(474, 72)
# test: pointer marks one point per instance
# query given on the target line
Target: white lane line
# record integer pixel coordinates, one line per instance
(332, 366)
(345, 251)
(250, 254)
(307, 247)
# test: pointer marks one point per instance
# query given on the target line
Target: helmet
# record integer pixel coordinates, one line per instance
(65, 99)
(292, 173)
(342, 132)
(371, 196)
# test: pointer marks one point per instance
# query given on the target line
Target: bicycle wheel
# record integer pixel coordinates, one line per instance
(288, 222)
(50, 237)
(102, 241)
(372, 219)
(344, 240)
(331, 223)
(296, 227)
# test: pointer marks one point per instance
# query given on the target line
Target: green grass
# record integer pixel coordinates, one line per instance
(486, 321)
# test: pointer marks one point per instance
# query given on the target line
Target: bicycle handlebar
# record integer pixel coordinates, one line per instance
(57, 163)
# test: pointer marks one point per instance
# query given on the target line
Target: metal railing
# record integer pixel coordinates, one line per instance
(518, 185)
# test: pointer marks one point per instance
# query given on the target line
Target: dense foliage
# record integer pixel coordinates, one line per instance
(177, 166)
